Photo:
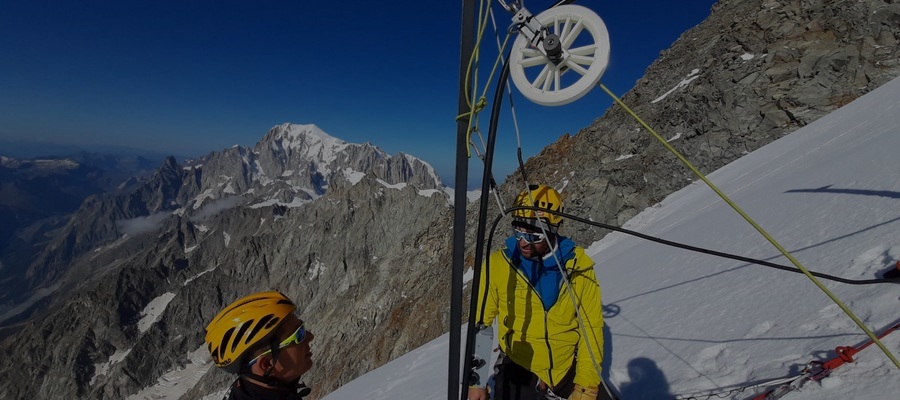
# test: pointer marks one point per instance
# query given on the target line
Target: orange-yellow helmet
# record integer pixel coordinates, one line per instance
(540, 196)
(246, 324)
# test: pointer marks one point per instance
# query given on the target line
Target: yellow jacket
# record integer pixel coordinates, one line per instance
(545, 343)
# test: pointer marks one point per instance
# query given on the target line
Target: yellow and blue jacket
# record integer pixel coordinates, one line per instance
(542, 334)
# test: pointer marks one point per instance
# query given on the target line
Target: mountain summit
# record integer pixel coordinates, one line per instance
(293, 164)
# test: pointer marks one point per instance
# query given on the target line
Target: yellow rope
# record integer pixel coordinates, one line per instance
(471, 78)
(756, 226)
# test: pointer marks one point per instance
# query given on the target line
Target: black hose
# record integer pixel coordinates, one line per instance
(703, 250)
(486, 186)
(467, 46)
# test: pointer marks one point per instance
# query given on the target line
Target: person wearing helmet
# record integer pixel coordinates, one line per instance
(532, 286)
(260, 338)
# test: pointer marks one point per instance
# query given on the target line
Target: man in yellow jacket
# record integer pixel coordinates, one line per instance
(549, 350)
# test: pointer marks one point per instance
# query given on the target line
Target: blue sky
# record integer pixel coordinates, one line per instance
(187, 78)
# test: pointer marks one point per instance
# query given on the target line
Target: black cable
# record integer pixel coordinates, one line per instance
(466, 49)
(702, 250)
(487, 182)
(561, 3)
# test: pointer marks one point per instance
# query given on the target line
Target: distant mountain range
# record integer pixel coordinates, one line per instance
(68, 206)
(38, 195)
(25, 149)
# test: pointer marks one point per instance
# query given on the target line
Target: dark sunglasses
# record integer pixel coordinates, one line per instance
(295, 338)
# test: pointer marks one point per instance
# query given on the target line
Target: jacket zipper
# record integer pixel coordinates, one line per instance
(522, 276)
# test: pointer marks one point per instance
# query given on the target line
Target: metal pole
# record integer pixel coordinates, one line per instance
(467, 45)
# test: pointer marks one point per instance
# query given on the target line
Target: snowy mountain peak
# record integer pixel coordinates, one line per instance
(294, 163)
(293, 131)
(305, 139)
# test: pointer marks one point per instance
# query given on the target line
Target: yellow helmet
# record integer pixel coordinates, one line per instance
(545, 197)
(246, 324)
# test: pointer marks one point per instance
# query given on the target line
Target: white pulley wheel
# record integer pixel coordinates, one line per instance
(585, 43)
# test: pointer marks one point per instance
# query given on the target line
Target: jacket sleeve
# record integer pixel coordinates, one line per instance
(590, 343)
(486, 309)
(484, 339)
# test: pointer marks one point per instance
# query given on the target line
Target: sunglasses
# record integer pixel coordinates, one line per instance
(529, 237)
(295, 338)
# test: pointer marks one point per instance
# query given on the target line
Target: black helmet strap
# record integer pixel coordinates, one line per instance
(274, 349)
